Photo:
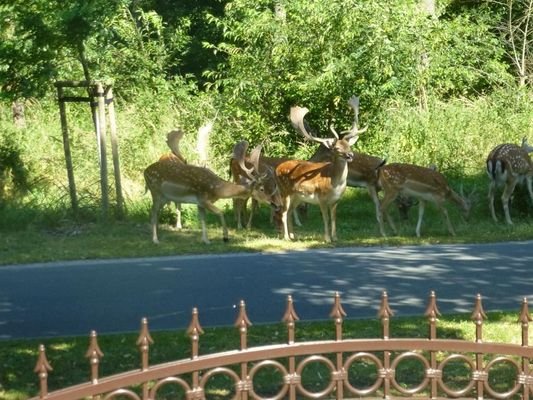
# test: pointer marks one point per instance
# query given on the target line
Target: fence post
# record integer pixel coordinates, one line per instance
(290, 317)
(432, 312)
(94, 354)
(42, 367)
(384, 314)
(194, 331)
(243, 323)
(480, 375)
(525, 319)
(144, 341)
(338, 313)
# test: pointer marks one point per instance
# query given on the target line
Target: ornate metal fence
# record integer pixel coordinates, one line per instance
(342, 358)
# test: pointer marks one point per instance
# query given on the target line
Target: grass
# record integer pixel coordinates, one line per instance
(66, 355)
(50, 238)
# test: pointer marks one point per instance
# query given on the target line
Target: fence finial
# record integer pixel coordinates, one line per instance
(478, 315)
(42, 367)
(432, 313)
(144, 341)
(194, 331)
(290, 317)
(337, 313)
(384, 313)
(243, 322)
(525, 318)
(94, 354)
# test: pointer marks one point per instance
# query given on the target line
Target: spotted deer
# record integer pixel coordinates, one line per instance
(321, 183)
(507, 165)
(267, 165)
(168, 181)
(425, 184)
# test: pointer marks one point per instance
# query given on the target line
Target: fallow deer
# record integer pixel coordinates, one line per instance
(267, 166)
(507, 165)
(321, 183)
(168, 181)
(424, 184)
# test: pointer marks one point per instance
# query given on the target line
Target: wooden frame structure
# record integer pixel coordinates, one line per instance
(98, 96)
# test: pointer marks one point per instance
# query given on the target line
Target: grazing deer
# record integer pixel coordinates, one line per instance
(507, 165)
(321, 183)
(424, 184)
(168, 181)
(173, 141)
(267, 166)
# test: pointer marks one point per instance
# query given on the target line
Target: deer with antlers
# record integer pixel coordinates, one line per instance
(267, 165)
(168, 181)
(423, 183)
(507, 165)
(321, 183)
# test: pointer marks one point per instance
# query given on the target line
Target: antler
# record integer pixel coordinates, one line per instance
(173, 141)
(239, 154)
(353, 102)
(297, 120)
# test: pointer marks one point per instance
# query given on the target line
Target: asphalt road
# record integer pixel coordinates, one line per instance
(73, 298)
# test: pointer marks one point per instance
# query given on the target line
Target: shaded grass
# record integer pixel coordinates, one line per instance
(87, 238)
(67, 355)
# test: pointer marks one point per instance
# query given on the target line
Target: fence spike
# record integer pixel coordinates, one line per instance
(42, 367)
(194, 331)
(144, 341)
(94, 354)
(242, 318)
(384, 313)
(525, 318)
(432, 310)
(243, 322)
(478, 315)
(290, 317)
(432, 313)
(337, 311)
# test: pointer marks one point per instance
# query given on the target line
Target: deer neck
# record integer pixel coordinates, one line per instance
(226, 190)
(458, 200)
(339, 171)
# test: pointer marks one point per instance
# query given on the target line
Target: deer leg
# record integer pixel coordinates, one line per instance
(421, 208)
(239, 206)
(506, 196)
(492, 190)
(154, 216)
(325, 219)
(447, 219)
(333, 215)
(201, 216)
(253, 209)
(217, 211)
(384, 209)
(178, 216)
(290, 223)
(374, 196)
(530, 187)
(284, 220)
(296, 216)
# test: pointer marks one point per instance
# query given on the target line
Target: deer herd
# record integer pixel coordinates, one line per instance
(288, 185)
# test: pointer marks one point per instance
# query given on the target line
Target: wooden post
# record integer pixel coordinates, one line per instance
(66, 147)
(114, 149)
(101, 136)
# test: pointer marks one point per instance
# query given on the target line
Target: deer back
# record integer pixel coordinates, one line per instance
(509, 158)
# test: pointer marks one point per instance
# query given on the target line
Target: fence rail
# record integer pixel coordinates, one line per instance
(339, 357)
